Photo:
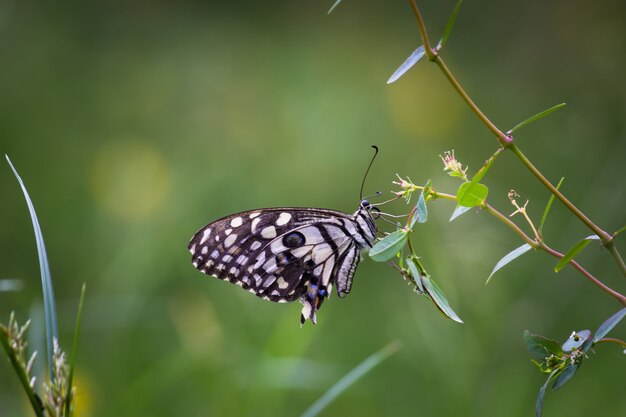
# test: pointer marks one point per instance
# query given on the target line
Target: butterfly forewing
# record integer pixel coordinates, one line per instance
(284, 254)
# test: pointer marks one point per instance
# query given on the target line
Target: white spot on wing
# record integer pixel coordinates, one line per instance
(256, 245)
(204, 250)
(282, 284)
(215, 254)
(205, 235)
(255, 223)
(283, 219)
(236, 222)
(269, 232)
(230, 240)
(227, 258)
(192, 249)
(255, 214)
(228, 231)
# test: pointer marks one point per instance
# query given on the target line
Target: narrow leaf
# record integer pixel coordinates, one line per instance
(439, 298)
(548, 206)
(449, 25)
(333, 6)
(471, 194)
(415, 274)
(608, 324)
(540, 347)
(619, 231)
(387, 247)
(406, 65)
(68, 396)
(536, 117)
(514, 254)
(542, 393)
(573, 251)
(46, 280)
(350, 378)
(485, 168)
(458, 211)
(421, 209)
(565, 376)
(576, 340)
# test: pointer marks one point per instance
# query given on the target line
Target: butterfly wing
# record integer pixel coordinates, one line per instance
(283, 254)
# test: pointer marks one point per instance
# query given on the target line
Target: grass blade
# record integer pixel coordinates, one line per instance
(79, 314)
(548, 206)
(449, 25)
(52, 331)
(350, 378)
(333, 6)
(536, 117)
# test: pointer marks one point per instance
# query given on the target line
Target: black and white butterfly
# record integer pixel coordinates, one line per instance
(285, 254)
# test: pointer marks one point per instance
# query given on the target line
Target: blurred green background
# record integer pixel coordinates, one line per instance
(133, 124)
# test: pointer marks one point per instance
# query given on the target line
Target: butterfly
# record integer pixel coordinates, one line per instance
(286, 254)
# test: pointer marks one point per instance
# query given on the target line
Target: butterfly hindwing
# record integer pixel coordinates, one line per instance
(284, 254)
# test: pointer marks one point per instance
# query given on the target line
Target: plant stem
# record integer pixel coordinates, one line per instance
(491, 210)
(611, 340)
(507, 142)
(34, 402)
(619, 297)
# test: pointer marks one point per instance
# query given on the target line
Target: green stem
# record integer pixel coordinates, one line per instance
(430, 53)
(35, 403)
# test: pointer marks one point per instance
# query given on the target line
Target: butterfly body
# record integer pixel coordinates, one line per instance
(286, 254)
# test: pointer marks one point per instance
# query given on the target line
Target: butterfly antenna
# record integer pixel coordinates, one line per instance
(368, 170)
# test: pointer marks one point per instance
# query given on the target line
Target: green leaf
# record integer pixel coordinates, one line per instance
(576, 340)
(408, 64)
(573, 251)
(565, 376)
(449, 25)
(333, 6)
(540, 347)
(514, 254)
(542, 393)
(46, 280)
(619, 231)
(350, 378)
(421, 209)
(536, 117)
(79, 314)
(471, 194)
(439, 298)
(387, 247)
(415, 274)
(458, 211)
(485, 168)
(547, 209)
(608, 324)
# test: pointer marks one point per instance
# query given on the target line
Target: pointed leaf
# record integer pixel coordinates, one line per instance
(421, 209)
(547, 209)
(542, 393)
(619, 231)
(608, 325)
(439, 298)
(458, 211)
(406, 65)
(573, 251)
(449, 25)
(485, 168)
(536, 117)
(69, 400)
(415, 274)
(540, 346)
(511, 256)
(576, 340)
(333, 6)
(350, 378)
(46, 280)
(565, 376)
(387, 247)
(471, 195)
